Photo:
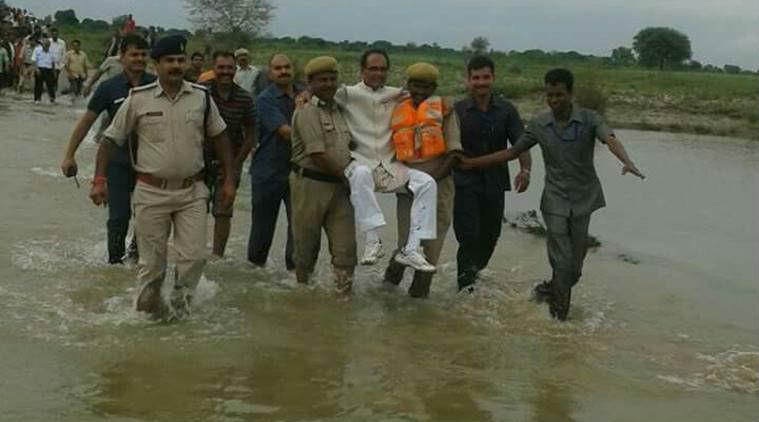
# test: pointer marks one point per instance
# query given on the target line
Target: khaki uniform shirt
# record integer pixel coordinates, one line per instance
(169, 131)
(571, 187)
(452, 136)
(320, 127)
(77, 64)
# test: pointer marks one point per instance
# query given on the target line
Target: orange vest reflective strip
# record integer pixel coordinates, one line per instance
(418, 133)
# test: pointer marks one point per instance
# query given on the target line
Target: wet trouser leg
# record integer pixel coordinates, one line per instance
(120, 181)
(38, 81)
(432, 248)
(567, 246)
(266, 200)
(190, 233)
(477, 220)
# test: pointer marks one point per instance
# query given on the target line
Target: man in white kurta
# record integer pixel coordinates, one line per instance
(368, 108)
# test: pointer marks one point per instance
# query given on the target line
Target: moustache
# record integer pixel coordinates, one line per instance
(284, 75)
(175, 72)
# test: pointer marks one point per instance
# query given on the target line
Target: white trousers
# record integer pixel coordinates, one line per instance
(364, 182)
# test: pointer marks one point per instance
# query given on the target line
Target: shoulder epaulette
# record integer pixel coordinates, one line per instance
(199, 86)
(144, 87)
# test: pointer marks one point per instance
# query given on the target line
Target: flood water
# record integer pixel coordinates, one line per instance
(665, 323)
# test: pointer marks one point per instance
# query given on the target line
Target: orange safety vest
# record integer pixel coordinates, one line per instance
(418, 133)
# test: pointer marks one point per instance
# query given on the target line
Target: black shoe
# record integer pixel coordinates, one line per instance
(149, 300)
(558, 304)
(541, 293)
(394, 272)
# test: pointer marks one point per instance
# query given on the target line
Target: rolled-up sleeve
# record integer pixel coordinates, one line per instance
(215, 124)
(122, 124)
(529, 138)
(602, 131)
(269, 116)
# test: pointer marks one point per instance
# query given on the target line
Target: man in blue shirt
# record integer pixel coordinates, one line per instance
(488, 123)
(108, 97)
(270, 167)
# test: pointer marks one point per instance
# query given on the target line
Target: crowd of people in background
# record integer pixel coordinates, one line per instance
(33, 56)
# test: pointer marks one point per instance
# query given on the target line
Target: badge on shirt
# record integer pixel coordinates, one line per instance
(154, 113)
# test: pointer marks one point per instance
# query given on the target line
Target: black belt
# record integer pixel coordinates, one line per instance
(316, 175)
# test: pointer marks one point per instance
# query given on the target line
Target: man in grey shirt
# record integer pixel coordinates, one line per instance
(566, 135)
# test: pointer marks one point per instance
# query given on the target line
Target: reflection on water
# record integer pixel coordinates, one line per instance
(664, 326)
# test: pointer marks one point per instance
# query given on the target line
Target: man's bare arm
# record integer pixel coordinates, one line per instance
(68, 165)
(616, 148)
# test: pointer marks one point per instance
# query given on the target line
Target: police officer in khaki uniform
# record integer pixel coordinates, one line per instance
(422, 83)
(167, 123)
(319, 191)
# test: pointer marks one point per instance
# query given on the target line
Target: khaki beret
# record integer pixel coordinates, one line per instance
(423, 72)
(240, 51)
(320, 64)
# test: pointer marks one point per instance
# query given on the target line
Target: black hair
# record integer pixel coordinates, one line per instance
(222, 53)
(560, 75)
(365, 56)
(480, 62)
(76, 41)
(133, 40)
(198, 54)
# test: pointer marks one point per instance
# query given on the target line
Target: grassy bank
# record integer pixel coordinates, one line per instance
(673, 101)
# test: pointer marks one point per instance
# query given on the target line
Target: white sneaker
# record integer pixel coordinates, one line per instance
(372, 253)
(415, 260)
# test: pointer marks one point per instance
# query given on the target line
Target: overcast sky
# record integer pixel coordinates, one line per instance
(721, 32)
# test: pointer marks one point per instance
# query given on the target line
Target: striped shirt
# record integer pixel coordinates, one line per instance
(238, 111)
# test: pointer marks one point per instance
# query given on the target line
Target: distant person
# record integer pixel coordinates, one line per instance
(426, 137)
(567, 137)
(195, 68)
(113, 45)
(129, 25)
(26, 71)
(6, 64)
(76, 65)
(489, 123)
(44, 71)
(58, 47)
(110, 67)
(108, 97)
(246, 74)
(270, 166)
(238, 109)
(321, 152)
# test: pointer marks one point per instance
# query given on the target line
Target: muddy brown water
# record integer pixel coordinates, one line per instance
(665, 324)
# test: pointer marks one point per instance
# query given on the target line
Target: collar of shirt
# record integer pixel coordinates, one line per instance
(278, 93)
(186, 88)
(548, 119)
(331, 106)
(471, 103)
(214, 87)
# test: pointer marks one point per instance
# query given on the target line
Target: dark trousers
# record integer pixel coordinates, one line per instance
(266, 199)
(567, 246)
(477, 219)
(47, 77)
(120, 178)
(76, 86)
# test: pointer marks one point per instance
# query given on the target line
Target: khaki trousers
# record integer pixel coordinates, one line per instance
(318, 205)
(156, 212)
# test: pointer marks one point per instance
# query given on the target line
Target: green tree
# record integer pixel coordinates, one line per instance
(622, 56)
(658, 46)
(66, 17)
(479, 45)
